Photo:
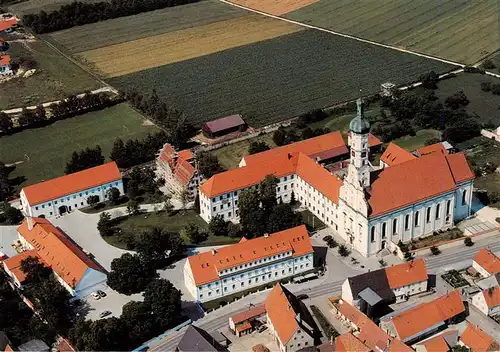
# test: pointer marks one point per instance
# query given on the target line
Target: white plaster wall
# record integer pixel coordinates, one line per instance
(480, 269)
(346, 292)
(479, 302)
(299, 340)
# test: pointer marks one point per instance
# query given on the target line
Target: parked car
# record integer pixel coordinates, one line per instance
(101, 293)
(104, 314)
(302, 296)
(95, 295)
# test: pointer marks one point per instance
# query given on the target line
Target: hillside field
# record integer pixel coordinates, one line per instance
(34, 6)
(45, 151)
(278, 78)
(458, 30)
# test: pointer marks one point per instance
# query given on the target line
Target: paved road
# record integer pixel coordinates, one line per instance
(457, 257)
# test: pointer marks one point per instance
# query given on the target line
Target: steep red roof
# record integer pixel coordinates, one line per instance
(281, 313)
(416, 180)
(394, 155)
(373, 141)
(184, 171)
(72, 183)
(438, 342)
(14, 264)
(6, 24)
(331, 144)
(406, 273)
(4, 60)
(205, 266)
(488, 261)
(349, 343)
(248, 314)
(57, 250)
(477, 340)
(224, 123)
(433, 148)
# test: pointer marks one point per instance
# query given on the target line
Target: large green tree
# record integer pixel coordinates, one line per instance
(165, 302)
(129, 274)
(282, 218)
(158, 245)
(267, 193)
(140, 321)
(208, 164)
(217, 226)
(252, 216)
(35, 270)
(105, 225)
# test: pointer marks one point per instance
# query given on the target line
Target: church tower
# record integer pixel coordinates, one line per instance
(358, 173)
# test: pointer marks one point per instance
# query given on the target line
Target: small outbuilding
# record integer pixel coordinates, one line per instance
(224, 125)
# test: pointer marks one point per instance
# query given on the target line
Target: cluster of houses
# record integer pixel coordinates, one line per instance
(487, 265)
(7, 25)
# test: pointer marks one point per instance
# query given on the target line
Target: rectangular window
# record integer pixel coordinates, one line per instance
(36, 208)
(417, 218)
(438, 208)
(407, 222)
(214, 208)
(284, 187)
(428, 215)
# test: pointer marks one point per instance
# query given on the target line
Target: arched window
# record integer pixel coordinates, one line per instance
(464, 197)
(372, 234)
(384, 225)
(394, 226)
(417, 218)
(438, 208)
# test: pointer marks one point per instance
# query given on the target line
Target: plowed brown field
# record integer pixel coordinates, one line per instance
(275, 7)
(137, 55)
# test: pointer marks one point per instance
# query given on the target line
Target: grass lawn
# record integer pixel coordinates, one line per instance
(45, 151)
(230, 155)
(174, 223)
(411, 143)
(435, 239)
(56, 77)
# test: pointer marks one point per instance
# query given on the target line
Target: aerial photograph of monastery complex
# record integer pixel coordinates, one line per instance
(250, 175)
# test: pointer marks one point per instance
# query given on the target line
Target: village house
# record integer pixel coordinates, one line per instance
(415, 323)
(488, 301)
(224, 125)
(71, 266)
(249, 263)
(179, 171)
(369, 208)
(344, 343)
(63, 194)
(477, 340)
(440, 343)
(388, 285)
(195, 339)
(486, 263)
(247, 321)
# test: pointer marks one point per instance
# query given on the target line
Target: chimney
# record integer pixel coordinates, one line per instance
(214, 251)
(289, 156)
(30, 223)
(266, 235)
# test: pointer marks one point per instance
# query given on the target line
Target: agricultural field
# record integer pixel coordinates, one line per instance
(275, 7)
(458, 30)
(43, 152)
(33, 6)
(56, 77)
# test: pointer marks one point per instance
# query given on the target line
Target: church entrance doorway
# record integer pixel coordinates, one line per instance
(382, 246)
(63, 209)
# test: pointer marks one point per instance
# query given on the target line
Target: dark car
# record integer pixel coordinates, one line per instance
(302, 296)
(101, 293)
(105, 314)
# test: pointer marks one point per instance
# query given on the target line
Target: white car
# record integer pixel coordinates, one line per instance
(95, 295)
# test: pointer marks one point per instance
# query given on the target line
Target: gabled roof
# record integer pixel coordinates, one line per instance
(4, 60)
(196, 339)
(488, 261)
(205, 266)
(14, 264)
(184, 171)
(414, 321)
(312, 146)
(72, 183)
(373, 141)
(477, 340)
(249, 314)
(433, 148)
(376, 280)
(439, 343)
(286, 312)
(349, 343)
(416, 180)
(6, 24)
(492, 296)
(67, 260)
(394, 155)
(224, 123)
(406, 273)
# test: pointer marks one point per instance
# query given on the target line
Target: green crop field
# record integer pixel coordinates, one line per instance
(45, 151)
(458, 30)
(124, 29)
(279, 78)
(33, 6)
(56, 77)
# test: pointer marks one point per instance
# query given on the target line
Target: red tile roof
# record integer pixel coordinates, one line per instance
(68, 261)
(349, 343)
(438, 343)
(72, 183)
(64, 346)
(416, 180)
(4, 60)
(399, 346)
(179, 162)
(373, 141)
(332, 141)
(184, 171)
(417, 319)
(407, 273)
(6, 24)
(488, 261)
(394, 155)
(248, 314)
(281, 313)
(186, 154)
(477, 340)
(14, 264)
(492, 296)
(205, 266)
(224, 123)
(433, 148)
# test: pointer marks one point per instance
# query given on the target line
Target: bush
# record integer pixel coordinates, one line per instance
(488, 64)
(328, 329)
(343, 250)
(485, 86)
(435, 250)
(495, 89)
(468, 242)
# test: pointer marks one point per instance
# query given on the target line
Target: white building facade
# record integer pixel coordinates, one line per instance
(488, 301)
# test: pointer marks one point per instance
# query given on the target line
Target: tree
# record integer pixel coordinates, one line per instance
(92, 200)
(101, 335)
(119, 152)
(191, 233)
(12, 215)
(495, 89)
(252, 217)
(493, 197)
(485, 86)
(156, 245)
(458, 99)
(184, 198)
(129, 274)
(140, 321)
(267, 193)
(429, 80)
(468, 242)
(279, 137)
(85, 159)
(6, 123)
(217, 226)
(34, 270)
(105, 225)
(435, 250)
(165, 302)
(343, 251)
(133, 207)
(168, 207)
(6, 188)
(208, 164)
(113, 195)
(432, 141)
(462, 129)
(257, 147)
(282, 218)
(197, 203)
(488, 64)
(233, 230)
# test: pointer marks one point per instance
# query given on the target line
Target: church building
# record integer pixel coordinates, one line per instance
(370, 206)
